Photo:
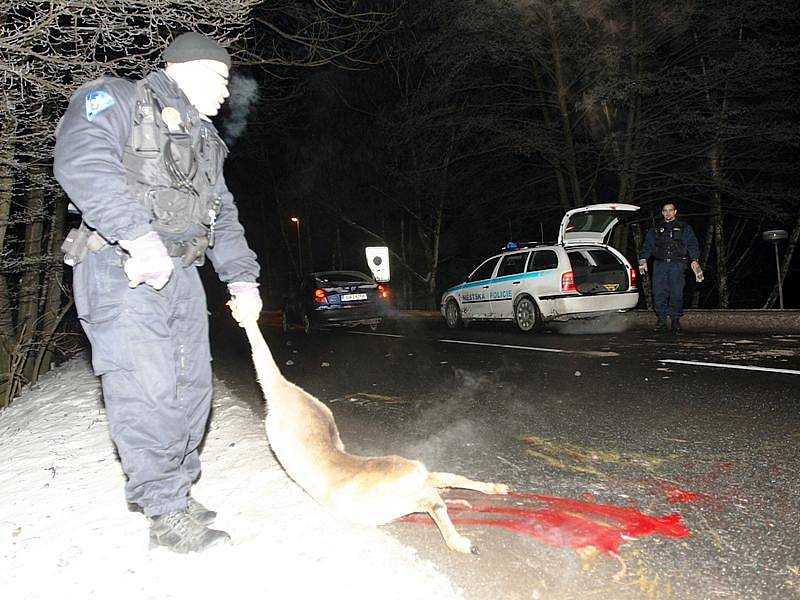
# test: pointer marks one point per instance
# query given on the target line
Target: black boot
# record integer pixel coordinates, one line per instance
(661, 325)
(676, 325)
(179, 532)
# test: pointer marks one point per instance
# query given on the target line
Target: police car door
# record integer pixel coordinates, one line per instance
(475, 291)
(505, 286)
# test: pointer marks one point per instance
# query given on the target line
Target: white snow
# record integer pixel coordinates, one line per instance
(66, 531)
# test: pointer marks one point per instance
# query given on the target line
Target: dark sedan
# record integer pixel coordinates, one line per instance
(335, 299)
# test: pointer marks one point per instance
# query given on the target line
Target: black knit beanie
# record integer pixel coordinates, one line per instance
(195, 46)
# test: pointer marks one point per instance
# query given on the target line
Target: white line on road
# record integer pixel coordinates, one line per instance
(726, 366)
(559, 350)
(394, 335)
(533, 348)
(509, 346)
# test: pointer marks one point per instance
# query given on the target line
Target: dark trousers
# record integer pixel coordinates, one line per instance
(151, 351)
(669, 279)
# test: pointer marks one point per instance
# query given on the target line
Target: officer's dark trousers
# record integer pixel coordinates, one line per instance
(669, 279)
(151, 350)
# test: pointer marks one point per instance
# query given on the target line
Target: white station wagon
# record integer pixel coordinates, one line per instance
(578, 276)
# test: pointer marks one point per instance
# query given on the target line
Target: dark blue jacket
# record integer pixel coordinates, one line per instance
(672, 240)
(88, 163)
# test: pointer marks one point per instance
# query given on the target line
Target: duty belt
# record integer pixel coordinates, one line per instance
(82, 239)
(191, 251)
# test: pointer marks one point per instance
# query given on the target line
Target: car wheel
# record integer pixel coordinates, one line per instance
(452, 314)
(526, 314)
(374, 326)
(307, 327)
(285, 325)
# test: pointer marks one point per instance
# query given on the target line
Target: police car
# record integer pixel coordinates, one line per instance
(578, 276)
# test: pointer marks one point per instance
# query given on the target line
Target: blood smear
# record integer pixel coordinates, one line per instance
(563, 522)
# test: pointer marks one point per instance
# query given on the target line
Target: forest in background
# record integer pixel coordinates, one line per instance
(441, 129)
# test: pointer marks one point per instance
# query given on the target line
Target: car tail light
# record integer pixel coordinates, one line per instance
(568, 282)
(320, 297)
(383, 292)
(634, 277)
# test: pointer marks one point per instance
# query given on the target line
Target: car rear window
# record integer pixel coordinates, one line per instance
(513, 264)
(338, 278)
(590, 221)
(543, 260)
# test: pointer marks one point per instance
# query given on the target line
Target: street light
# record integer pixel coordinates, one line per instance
(775, 236)
(296, 221)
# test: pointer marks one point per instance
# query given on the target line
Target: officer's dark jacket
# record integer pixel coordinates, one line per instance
(90, 164)
(670, 241)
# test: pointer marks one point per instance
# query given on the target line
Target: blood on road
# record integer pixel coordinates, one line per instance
(564, 522)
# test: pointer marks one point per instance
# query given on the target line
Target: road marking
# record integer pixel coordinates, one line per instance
(726, 366)
(533, 348)
(394, 335)
(559, 350)
(509, 346)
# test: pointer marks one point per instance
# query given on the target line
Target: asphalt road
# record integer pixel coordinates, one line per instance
(577, 422)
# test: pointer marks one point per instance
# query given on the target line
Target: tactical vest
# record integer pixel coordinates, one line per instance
(173, 175)
(669, 243)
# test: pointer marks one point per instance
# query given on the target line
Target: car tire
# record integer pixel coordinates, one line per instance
(308, 327)
(452, 315)
(285, 324)
(526, 314)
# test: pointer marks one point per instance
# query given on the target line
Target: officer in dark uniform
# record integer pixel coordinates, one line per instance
(142, 163)
(670, 242)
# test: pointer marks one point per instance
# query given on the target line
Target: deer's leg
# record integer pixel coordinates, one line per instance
(443, 480)
(433, 504)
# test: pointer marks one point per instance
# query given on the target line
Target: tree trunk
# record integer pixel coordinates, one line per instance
(719, 232)
(30, 287)
(563, 109)
(706, 252)
(53, 292)
(7, 141)
(563, 195)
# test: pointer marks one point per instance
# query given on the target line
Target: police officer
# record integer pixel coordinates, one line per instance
(142, 162)
(670, 242)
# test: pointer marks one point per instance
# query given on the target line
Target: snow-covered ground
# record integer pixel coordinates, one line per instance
(66, 531)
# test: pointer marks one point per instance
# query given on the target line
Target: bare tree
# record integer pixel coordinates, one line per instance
(46, 51)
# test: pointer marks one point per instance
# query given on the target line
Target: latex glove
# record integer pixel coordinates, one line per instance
(643, 267)
(245, 302)
(149, 262)
(698, 272)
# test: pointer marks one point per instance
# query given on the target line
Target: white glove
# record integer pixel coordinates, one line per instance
(698, 272)
(149, 262)
(643, 267)
(245, 302)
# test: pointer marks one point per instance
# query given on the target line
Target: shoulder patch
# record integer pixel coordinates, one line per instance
(97, 102)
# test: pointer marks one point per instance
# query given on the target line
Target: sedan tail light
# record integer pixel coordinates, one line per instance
(634, 277)
(320, 297)
(568, 282)
(383, 292)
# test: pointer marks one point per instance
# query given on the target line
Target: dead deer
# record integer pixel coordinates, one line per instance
(370, 490)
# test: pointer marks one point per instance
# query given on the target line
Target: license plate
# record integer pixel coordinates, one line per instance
(348, 297)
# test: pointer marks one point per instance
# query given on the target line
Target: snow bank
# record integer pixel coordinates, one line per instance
(66, 531)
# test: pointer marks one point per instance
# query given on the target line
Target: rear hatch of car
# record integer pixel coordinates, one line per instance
(347, 289)
(591, 224)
